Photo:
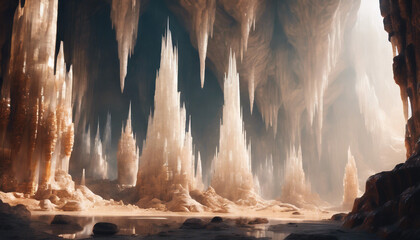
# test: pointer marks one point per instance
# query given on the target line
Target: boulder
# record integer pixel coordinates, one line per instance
(193, 223)
(216, 219)
(21, 211)
(54, 199)
(62, 219)
(391, 204)
(73, 206)
(105, 228)
(46, 204)
(63, 224)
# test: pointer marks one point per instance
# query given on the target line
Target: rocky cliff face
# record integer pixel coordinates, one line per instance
(391, 203)
(401, 21)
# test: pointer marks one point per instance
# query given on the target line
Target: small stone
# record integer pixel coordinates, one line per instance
(216, 219)
(46, 204)
(62, 219)
(54, 199)
(73, 206)
(193, 223)
(65, 225)
(105, 228)
(18, 195)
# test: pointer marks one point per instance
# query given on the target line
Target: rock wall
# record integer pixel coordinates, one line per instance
(401, 21)
(391, 203)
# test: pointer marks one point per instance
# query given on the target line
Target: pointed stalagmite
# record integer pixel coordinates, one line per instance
(350, 182)
(167, 161)
(233, 152)
(199, 174)
(127, 155)
(98, 168)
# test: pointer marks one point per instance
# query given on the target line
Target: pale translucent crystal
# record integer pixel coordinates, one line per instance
(127, 155)
(41, 140)
(247, 21)
(98, 164)
(106, 143)
(316, 34)
(265, 176)
(296, 189)
(65, 127)
(203, 19)
(232, 163)
(378, 95)
(83, 181)
(251, 89)
(350, 182)
(199, 174)
(125, 18)
(167, 159)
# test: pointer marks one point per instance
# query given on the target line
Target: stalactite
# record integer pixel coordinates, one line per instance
(316, 34)
(203, 20)
(247, 22)
(251, 88)
(125, 18)
(106, 143)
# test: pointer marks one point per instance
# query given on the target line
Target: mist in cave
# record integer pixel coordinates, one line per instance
(272, 109)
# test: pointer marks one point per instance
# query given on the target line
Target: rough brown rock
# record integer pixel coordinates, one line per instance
(73, 206)
(391, 203)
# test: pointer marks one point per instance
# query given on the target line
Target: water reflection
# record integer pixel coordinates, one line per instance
(128, 225)
(163, 227)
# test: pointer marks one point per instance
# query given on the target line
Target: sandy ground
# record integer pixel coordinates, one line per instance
(137, 223)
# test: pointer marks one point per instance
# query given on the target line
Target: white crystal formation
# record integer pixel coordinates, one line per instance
(350, 182)
(296, 189)
(98, 168)
(127, 155)
(231, 168)
(167, 160)
(125, 19)
(38, 100)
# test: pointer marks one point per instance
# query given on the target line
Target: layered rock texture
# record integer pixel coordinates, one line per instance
(391, 203)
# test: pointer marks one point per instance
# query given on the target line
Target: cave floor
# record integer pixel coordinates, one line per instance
(171, 227)
(136, 223)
